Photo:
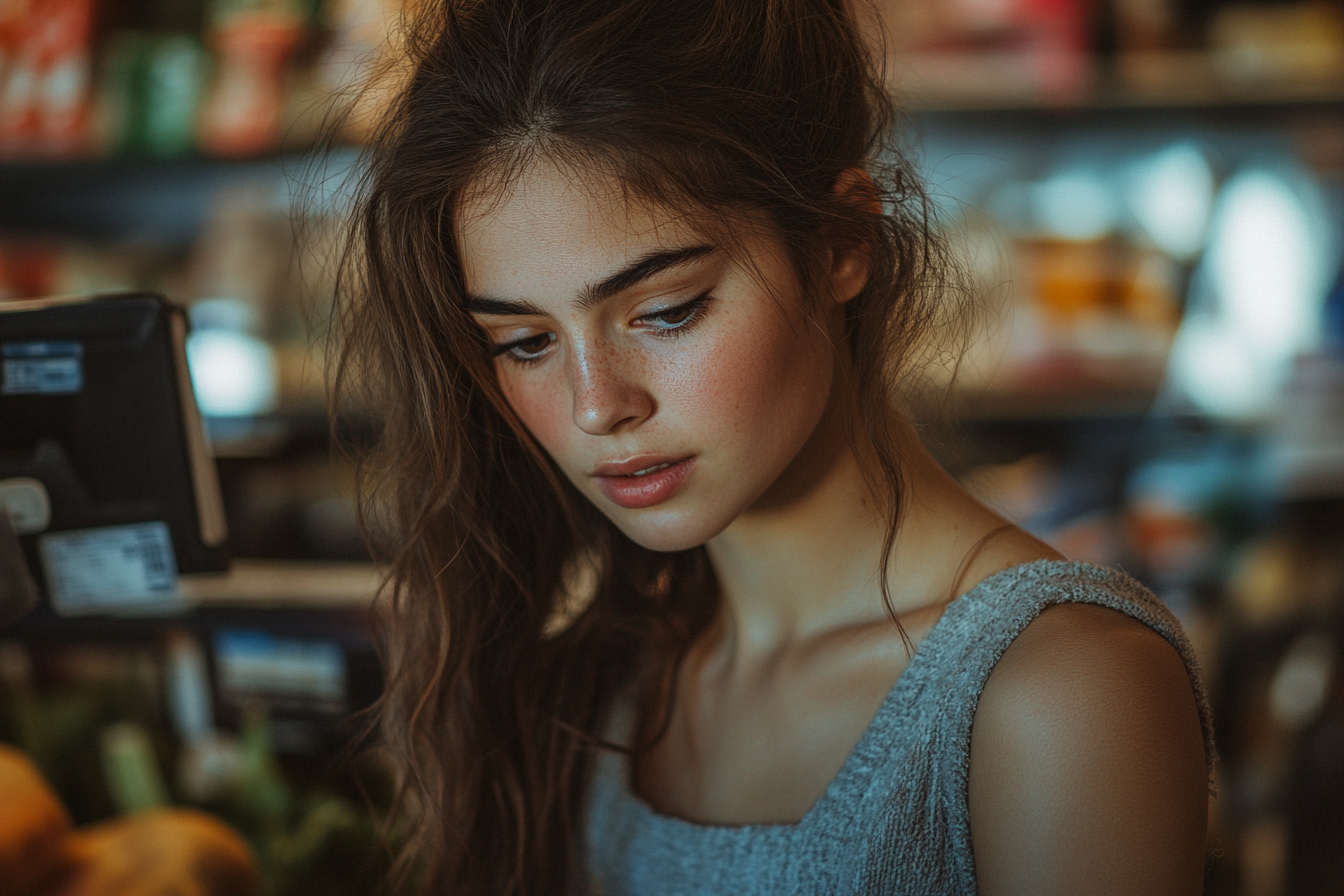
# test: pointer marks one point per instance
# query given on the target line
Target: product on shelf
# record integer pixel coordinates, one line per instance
(1281, 40)
(1146, 26)
(27, 268)
(33, 826)
(1034, 50)
(150, 93)
(243, 112)
(162, 850)
(362, 63)
(45, 76)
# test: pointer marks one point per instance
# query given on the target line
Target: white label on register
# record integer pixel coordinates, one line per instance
(115, 568)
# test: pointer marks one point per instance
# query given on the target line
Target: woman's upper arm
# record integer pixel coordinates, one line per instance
(1087, 763)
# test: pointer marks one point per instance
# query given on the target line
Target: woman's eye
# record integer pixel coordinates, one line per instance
(677, 315)
(678, 318)
(529, 349)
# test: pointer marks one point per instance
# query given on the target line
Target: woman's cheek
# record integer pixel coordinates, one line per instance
(737, 381)
(542, 406)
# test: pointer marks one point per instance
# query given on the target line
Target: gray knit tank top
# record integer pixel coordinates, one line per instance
(895, 819)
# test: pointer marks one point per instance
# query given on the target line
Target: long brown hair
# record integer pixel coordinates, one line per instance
(498, 683)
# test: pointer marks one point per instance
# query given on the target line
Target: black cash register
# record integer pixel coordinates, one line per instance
(105, 474)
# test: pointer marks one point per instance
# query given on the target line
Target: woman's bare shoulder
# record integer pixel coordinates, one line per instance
(1087, 762)
(1077, 640)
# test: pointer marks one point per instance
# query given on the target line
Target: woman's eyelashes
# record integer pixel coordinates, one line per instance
(665, 323)
(679, 319)
(528, 350)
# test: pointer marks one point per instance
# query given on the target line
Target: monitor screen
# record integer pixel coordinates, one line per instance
(103, 458)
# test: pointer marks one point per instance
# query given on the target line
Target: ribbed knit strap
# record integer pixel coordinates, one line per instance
(940, 692)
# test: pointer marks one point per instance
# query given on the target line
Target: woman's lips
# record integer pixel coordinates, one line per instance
(643, 481)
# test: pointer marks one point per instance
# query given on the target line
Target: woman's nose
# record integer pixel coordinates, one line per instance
(609, 394)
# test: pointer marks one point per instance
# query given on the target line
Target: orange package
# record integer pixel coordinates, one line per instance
(160, 851)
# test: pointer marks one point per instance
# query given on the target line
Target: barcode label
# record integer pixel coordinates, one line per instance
(112, 569)
(151, 553)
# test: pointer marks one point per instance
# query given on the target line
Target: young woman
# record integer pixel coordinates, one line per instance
(678, 602)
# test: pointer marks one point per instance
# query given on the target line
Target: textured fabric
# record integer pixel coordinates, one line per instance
(895, 820)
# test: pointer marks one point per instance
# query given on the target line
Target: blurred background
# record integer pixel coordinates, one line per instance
(1148, 194)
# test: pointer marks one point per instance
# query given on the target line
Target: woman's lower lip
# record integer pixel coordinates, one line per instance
(633, 492)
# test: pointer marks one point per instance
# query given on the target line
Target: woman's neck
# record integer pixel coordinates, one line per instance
(799, 563)
(805, 560)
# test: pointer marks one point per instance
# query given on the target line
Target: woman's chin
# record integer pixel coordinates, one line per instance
(665, 532)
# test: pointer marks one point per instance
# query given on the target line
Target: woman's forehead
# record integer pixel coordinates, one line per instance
(552, 227)
(583, 195)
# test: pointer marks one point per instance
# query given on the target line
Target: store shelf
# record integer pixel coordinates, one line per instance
(276, 584)
(1016, 404)
(1189, 83)
(158, 201)
(1063, 389)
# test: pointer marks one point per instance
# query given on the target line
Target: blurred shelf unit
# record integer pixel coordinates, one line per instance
(287, 433)
(1054, 400)
(284, 595)
(293, 637)
(163, 202)
(1182, 82)
(285, 584)
(167, 203)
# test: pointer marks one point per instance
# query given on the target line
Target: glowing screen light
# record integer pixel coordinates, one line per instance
(1266, 273)
(1171, 197)
(1075, 205)
(233, 373)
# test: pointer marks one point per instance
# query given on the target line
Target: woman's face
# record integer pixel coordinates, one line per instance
(673, 381)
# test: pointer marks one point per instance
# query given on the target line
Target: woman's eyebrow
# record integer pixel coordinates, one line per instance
(501, 307)
(632, 274)
(639, 270)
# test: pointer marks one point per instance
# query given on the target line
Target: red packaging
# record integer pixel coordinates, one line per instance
(1031, 49)
(14, 91)
(244, 108)
(45, 76)
(27, 269)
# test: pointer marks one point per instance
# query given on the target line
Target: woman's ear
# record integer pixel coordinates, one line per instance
(850, 257)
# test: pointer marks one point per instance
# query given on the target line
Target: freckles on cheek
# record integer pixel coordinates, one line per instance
(718, 390)
(540, 407)
(735, 383)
